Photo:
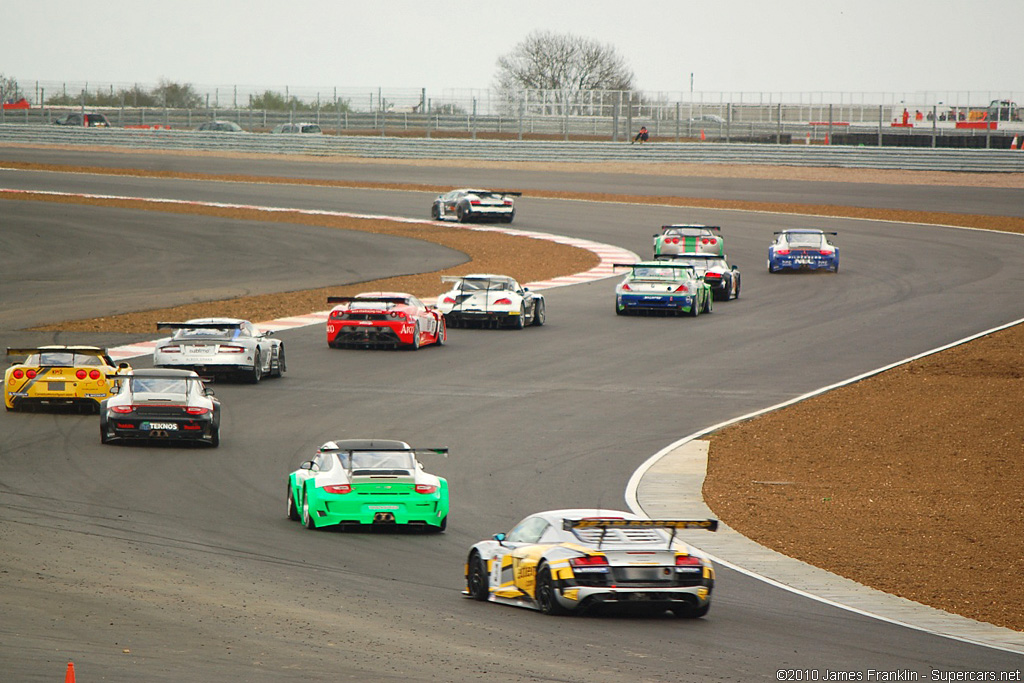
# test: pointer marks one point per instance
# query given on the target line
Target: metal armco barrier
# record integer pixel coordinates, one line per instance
(382, 147)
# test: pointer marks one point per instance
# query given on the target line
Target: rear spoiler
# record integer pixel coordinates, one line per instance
(598, 523)
(506, 193)
(674, 524)
(660, 264)
(199, 326)
(823, 232)
(460, 278)
(416, 451)
(374, 300)
(84, 350)
(692, 225)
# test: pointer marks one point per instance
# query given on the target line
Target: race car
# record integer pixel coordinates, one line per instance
(662, 287)
(221, 347)
(368, 482)
(384, 319)
(475, 205)
(723, 279)
(161, 405)
(494, 300)
(803, 249)
(688, 239)
(565, 561)
(60, 376)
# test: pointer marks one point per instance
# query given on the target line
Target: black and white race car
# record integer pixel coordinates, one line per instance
(724, 279)
(475, 205)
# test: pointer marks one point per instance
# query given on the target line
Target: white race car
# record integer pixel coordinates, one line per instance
(572, 560)
(475, 205)
(491, 300)
(221, 347)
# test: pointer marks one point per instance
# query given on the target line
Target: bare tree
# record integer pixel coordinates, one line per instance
(564, 64)
(9, 88)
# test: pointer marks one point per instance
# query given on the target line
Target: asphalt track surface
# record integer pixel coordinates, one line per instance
(174, 564)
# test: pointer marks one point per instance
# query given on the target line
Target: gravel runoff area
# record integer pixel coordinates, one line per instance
(856, 481)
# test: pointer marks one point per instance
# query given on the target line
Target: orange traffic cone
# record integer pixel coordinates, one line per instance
(1013, 143)
(702, 135)
(826, 138)
(69, 677)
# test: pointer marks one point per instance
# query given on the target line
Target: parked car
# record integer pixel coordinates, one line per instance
(86, 120)
(297, 128)
(220, 126)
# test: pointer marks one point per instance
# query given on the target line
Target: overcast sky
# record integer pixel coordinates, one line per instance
(892, 46)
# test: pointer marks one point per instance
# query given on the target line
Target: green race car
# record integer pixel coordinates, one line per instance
(689, 239)
(366, 482)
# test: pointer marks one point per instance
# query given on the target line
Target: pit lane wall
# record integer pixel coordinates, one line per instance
(385, 147)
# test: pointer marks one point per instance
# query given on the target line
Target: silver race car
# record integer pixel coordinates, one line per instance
(221, 347)
(491, 300)
(475, 205)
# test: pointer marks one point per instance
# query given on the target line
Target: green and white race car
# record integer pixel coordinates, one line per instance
(689, 239)
(366, 482)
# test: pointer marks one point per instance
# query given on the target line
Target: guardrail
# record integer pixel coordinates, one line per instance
(385, 147)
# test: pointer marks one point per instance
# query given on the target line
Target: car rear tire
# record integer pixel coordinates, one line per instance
(435, 213)
(257, 368)
(695, 308)
(462, 213)
(103, 432)
(539, 314)
(547, 601)
(307, 516)
(215, 437)
(280, 366)
(520, 321)
(738, 281)
(442, 333)
(416, 337)
(478, 583)
(293, 512)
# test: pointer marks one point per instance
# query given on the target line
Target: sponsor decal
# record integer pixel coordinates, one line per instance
(382, 507)
(169, 426)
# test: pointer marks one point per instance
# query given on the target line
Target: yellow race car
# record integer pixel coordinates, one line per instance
(60, 376)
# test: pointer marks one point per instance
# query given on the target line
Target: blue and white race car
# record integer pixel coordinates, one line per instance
(803, 249)
(664, 287)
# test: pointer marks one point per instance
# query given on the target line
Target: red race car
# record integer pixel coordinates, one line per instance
(383, 319)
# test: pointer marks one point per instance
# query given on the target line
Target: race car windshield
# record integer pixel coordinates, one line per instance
(207, 333)
(159, 385)
(377, 460)
(804, 239)
(63, 359)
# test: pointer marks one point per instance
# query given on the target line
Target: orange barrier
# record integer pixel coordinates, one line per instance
(150, 126)
(826, 123)
(20, 104)
(991, 125)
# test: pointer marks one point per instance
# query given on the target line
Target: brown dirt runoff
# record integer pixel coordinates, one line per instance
(908, 481)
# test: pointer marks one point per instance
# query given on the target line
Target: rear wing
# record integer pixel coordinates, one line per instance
(503, 193)
(373, 300)
(801, 232)
(674, 524)
(84, 350)
(198, 326)
(659, 264)
(416, 451)
(691, 225)
(489, 280)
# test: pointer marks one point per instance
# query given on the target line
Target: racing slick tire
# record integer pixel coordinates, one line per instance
(435, 213)
(215, 437)
(509, 218)
(103, 432)
(280, 366)
(293, 512)
(539, 314)
(478, 583)
(307, 516)
(689, 612)
(520, 320)
(736, 293)
(708, 305)
(547, 601)
(619, 310)
(442, 334)
(257, 368)
(416, 338)
(462, 213)
(695, 309)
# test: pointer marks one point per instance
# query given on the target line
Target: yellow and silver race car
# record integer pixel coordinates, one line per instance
(60, 376)
(572, 560)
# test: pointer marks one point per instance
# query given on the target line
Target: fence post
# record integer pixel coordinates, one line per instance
(830, 123)
(629, 116)
(880, 125)
(778, 130)
(935, 118)
(523, 100)
(677, 121)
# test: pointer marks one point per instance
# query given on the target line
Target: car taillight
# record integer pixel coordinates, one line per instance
(475, 202)
(626, 288)
(711, 241)
(508, 202)
(503, 301)
(826, 252)
(398, 314)
(122, 409)
(673, 240)
(31, 374)
(173, 348)
(682, 288)
(449, 300)
(704, 240)
(714, 276)
(94, 374)
(227, 348)
(425, 488)
(18, 374)
(338, 488)
(196, 410)
(81, 374)
(687, 561)
(589, 561)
